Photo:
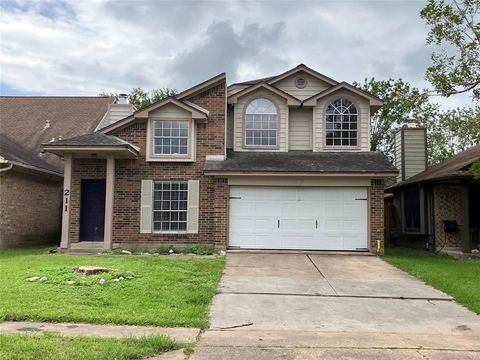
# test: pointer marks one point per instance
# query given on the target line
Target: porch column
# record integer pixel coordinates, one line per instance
(465, 224)
(67, 183)
(110, 183)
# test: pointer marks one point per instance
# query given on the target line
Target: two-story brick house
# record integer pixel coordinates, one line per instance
(276, 163)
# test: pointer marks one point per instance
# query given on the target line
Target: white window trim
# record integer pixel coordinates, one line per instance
(151, 156)
(244, 126)
(324, 119)
(153, 209)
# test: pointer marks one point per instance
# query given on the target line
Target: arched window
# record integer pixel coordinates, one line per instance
(261, 123)
(341, 123)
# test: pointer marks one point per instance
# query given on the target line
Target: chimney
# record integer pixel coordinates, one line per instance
(122, 99)
(117, 111)
(410, 150)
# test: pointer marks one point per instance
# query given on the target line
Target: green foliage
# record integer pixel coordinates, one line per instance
(448, 131)
(455, 28)
(475, 168)
(141, 98)
(458, 278)
(157, 290)
(53, 347)
(403, 103)
(166, 249)
(453, 131)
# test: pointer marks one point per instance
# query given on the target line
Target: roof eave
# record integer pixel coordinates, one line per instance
(306, 69)
(35, 169)
(375, 103)
(291, 100)
(374, 174)
(433, 180)
(121, 151)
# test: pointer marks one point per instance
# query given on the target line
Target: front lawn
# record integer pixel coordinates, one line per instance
(458, 278)
(155, 290)
(53, 347)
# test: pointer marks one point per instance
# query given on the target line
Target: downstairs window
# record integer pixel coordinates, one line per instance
(170, 204)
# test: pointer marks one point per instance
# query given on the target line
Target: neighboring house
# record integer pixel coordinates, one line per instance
(435, 207)
(276, 163)
(31, 182)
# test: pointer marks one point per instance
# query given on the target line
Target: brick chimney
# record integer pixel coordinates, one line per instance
(410, 151)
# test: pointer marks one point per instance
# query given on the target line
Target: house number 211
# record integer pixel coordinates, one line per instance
(66, 194)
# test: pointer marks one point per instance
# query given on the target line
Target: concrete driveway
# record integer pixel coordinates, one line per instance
(332, 306)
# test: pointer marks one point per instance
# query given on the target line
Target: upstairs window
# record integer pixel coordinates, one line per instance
(341, 123)
(261, 123)
(170, 137)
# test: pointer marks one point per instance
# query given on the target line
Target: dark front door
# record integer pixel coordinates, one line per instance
(92, 210)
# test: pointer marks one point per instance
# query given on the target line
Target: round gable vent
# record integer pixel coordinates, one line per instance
(300, 82)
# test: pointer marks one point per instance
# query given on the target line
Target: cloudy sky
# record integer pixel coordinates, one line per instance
(86, 47)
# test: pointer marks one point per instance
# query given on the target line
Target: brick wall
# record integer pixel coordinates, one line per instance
(213, 192)
(447, 206)
(376, 214)
(30, 209)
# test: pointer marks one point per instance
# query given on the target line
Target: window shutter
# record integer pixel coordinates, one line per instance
(193, 203)
(146, 207)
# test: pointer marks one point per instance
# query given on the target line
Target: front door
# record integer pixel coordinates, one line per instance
(92, 210)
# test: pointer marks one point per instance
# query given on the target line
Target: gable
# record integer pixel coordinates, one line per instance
(313, 85)
(171, 111)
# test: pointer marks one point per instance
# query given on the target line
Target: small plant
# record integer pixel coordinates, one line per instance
(199, 250)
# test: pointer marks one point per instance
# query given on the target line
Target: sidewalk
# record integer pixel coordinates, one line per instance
(184, 335)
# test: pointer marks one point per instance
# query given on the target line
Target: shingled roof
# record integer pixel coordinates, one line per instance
(93, 139)
(303, 162)
(458, 166)
(29, 121)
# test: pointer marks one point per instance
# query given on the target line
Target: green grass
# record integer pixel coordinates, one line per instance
(56, 347)
(157, 290)
(458, 278)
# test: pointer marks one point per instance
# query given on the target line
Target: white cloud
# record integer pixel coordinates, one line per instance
(85, 47)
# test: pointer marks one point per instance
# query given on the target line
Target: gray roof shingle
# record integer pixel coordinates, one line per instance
(458, 166)
(303, 161)
(23, 120)
(93, 139)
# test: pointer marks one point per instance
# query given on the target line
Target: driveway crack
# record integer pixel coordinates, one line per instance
(320, 272)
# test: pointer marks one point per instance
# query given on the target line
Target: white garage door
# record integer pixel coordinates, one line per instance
(307, 218)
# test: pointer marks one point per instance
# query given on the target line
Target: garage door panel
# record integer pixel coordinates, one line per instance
(314, 218)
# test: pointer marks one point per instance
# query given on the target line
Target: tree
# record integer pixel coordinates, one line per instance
(455, 25)
(475, 168)
(403, 103)
(141, 98)
(448, 131)
(453, 131)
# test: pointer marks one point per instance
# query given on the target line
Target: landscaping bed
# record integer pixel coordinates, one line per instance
(168, 291)
(458, 278)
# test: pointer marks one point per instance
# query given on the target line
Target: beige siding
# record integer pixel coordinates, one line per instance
(363, 108)
(314, 86)
(414, 142)
(283, 121)
(171, 111)
(300, 129)
(398, 154)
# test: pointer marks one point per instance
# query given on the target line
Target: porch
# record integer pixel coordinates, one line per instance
(88, 190)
